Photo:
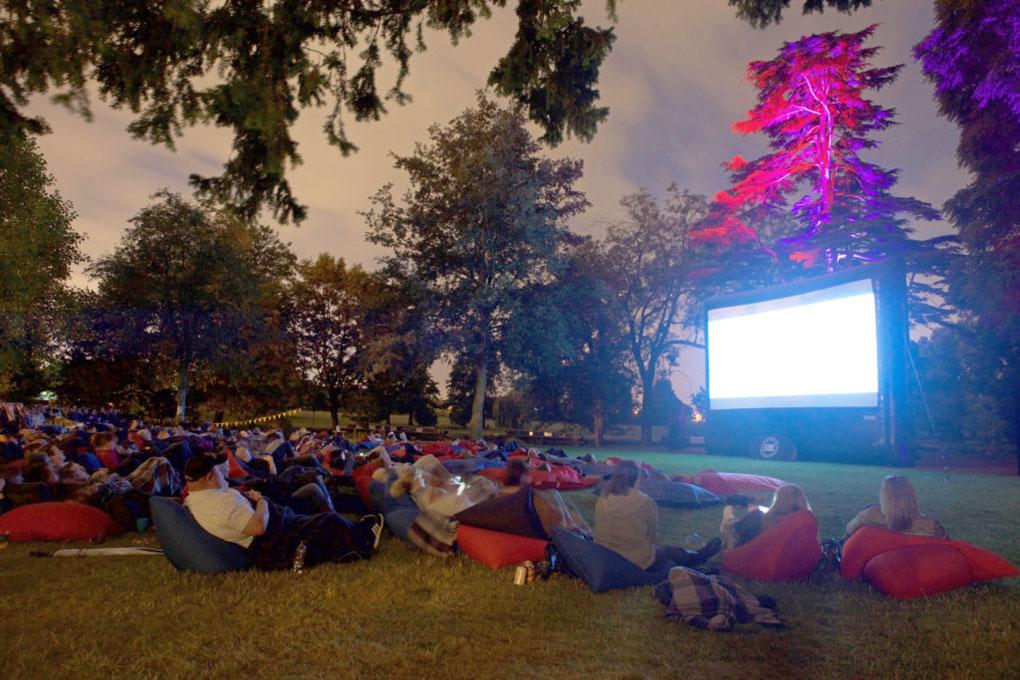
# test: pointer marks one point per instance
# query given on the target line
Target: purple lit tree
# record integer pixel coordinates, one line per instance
(813, 109)
(973, 57)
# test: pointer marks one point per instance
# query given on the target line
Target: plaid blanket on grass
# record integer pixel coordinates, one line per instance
(716, 602)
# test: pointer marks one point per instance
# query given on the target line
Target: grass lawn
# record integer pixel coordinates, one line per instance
(406, 614)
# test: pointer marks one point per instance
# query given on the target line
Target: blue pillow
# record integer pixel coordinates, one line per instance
(188, 546)
(600, 568)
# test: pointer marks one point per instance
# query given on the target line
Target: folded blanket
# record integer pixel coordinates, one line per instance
(716, 602)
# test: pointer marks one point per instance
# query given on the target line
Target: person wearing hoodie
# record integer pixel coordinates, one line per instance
(627, 522)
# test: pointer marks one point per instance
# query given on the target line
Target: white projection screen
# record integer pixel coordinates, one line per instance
(817, 349)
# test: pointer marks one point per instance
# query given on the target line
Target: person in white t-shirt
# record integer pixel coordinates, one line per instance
(272, 533)
(222, 511)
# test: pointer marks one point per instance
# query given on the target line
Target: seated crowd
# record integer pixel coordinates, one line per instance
(280, 494)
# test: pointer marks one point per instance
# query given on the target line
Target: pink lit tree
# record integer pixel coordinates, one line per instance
(837, 208)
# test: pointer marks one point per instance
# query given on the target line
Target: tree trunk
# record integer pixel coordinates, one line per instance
(477, 423)
(647, 382)
(334, 409)
(182, 391)
(598, 421)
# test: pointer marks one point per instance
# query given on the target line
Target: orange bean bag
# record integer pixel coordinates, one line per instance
(918, 570)
(63, 521)
(563, 478)
(786, 552)
(915, 570)
(496, 549)
(728, 483)
(362, 478)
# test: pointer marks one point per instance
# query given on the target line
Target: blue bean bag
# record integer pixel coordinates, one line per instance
(674, 494)
(188, 546)
(600, 568)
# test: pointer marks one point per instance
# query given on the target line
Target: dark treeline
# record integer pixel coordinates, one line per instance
(202, 310)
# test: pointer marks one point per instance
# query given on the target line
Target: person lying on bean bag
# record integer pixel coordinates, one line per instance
(270, 533)
(553, 511)
(627, 522)
(741, 523)
(778, 544)
(897, 511)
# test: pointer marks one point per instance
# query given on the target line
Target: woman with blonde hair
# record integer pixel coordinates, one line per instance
(897, 511)
(736, 531)
(627, 522)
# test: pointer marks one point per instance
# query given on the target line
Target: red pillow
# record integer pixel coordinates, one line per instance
(363, 477)
(496, 474)
(867, 542)
(109, 458)
(63, 521)
(561, 477)
(919, 570)
(728, 483)
(496, 549)
(788, 551)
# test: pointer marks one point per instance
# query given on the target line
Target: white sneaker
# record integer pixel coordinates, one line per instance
(377, 528)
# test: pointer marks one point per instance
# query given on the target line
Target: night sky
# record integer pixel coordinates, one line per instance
(674, 83)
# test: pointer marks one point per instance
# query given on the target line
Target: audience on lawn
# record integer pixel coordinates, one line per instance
(272, 533)
(293, 483)
(627, 522)
(897, 510)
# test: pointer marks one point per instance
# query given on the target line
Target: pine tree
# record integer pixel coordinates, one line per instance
(813, 109)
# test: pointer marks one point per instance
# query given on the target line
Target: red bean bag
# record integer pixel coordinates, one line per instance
(496, 474)
(234, 469)
(64, 521)
(918, 570)
(109, 458)
(563, 478)
(868, 542)
(786, 552)
(362, 478)
(728, 483)
(438, 449)
(496, 549)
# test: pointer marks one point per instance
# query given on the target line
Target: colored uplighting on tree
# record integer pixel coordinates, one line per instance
(812, 107)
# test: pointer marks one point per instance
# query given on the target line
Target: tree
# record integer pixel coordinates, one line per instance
(761, 13)
(570, 347)
(970, 56)
(186, 286)
(813, 110)
(484, 220)
(649, 261)
(329, 311)
(461, 387)
(40, 248)
(254, 67)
